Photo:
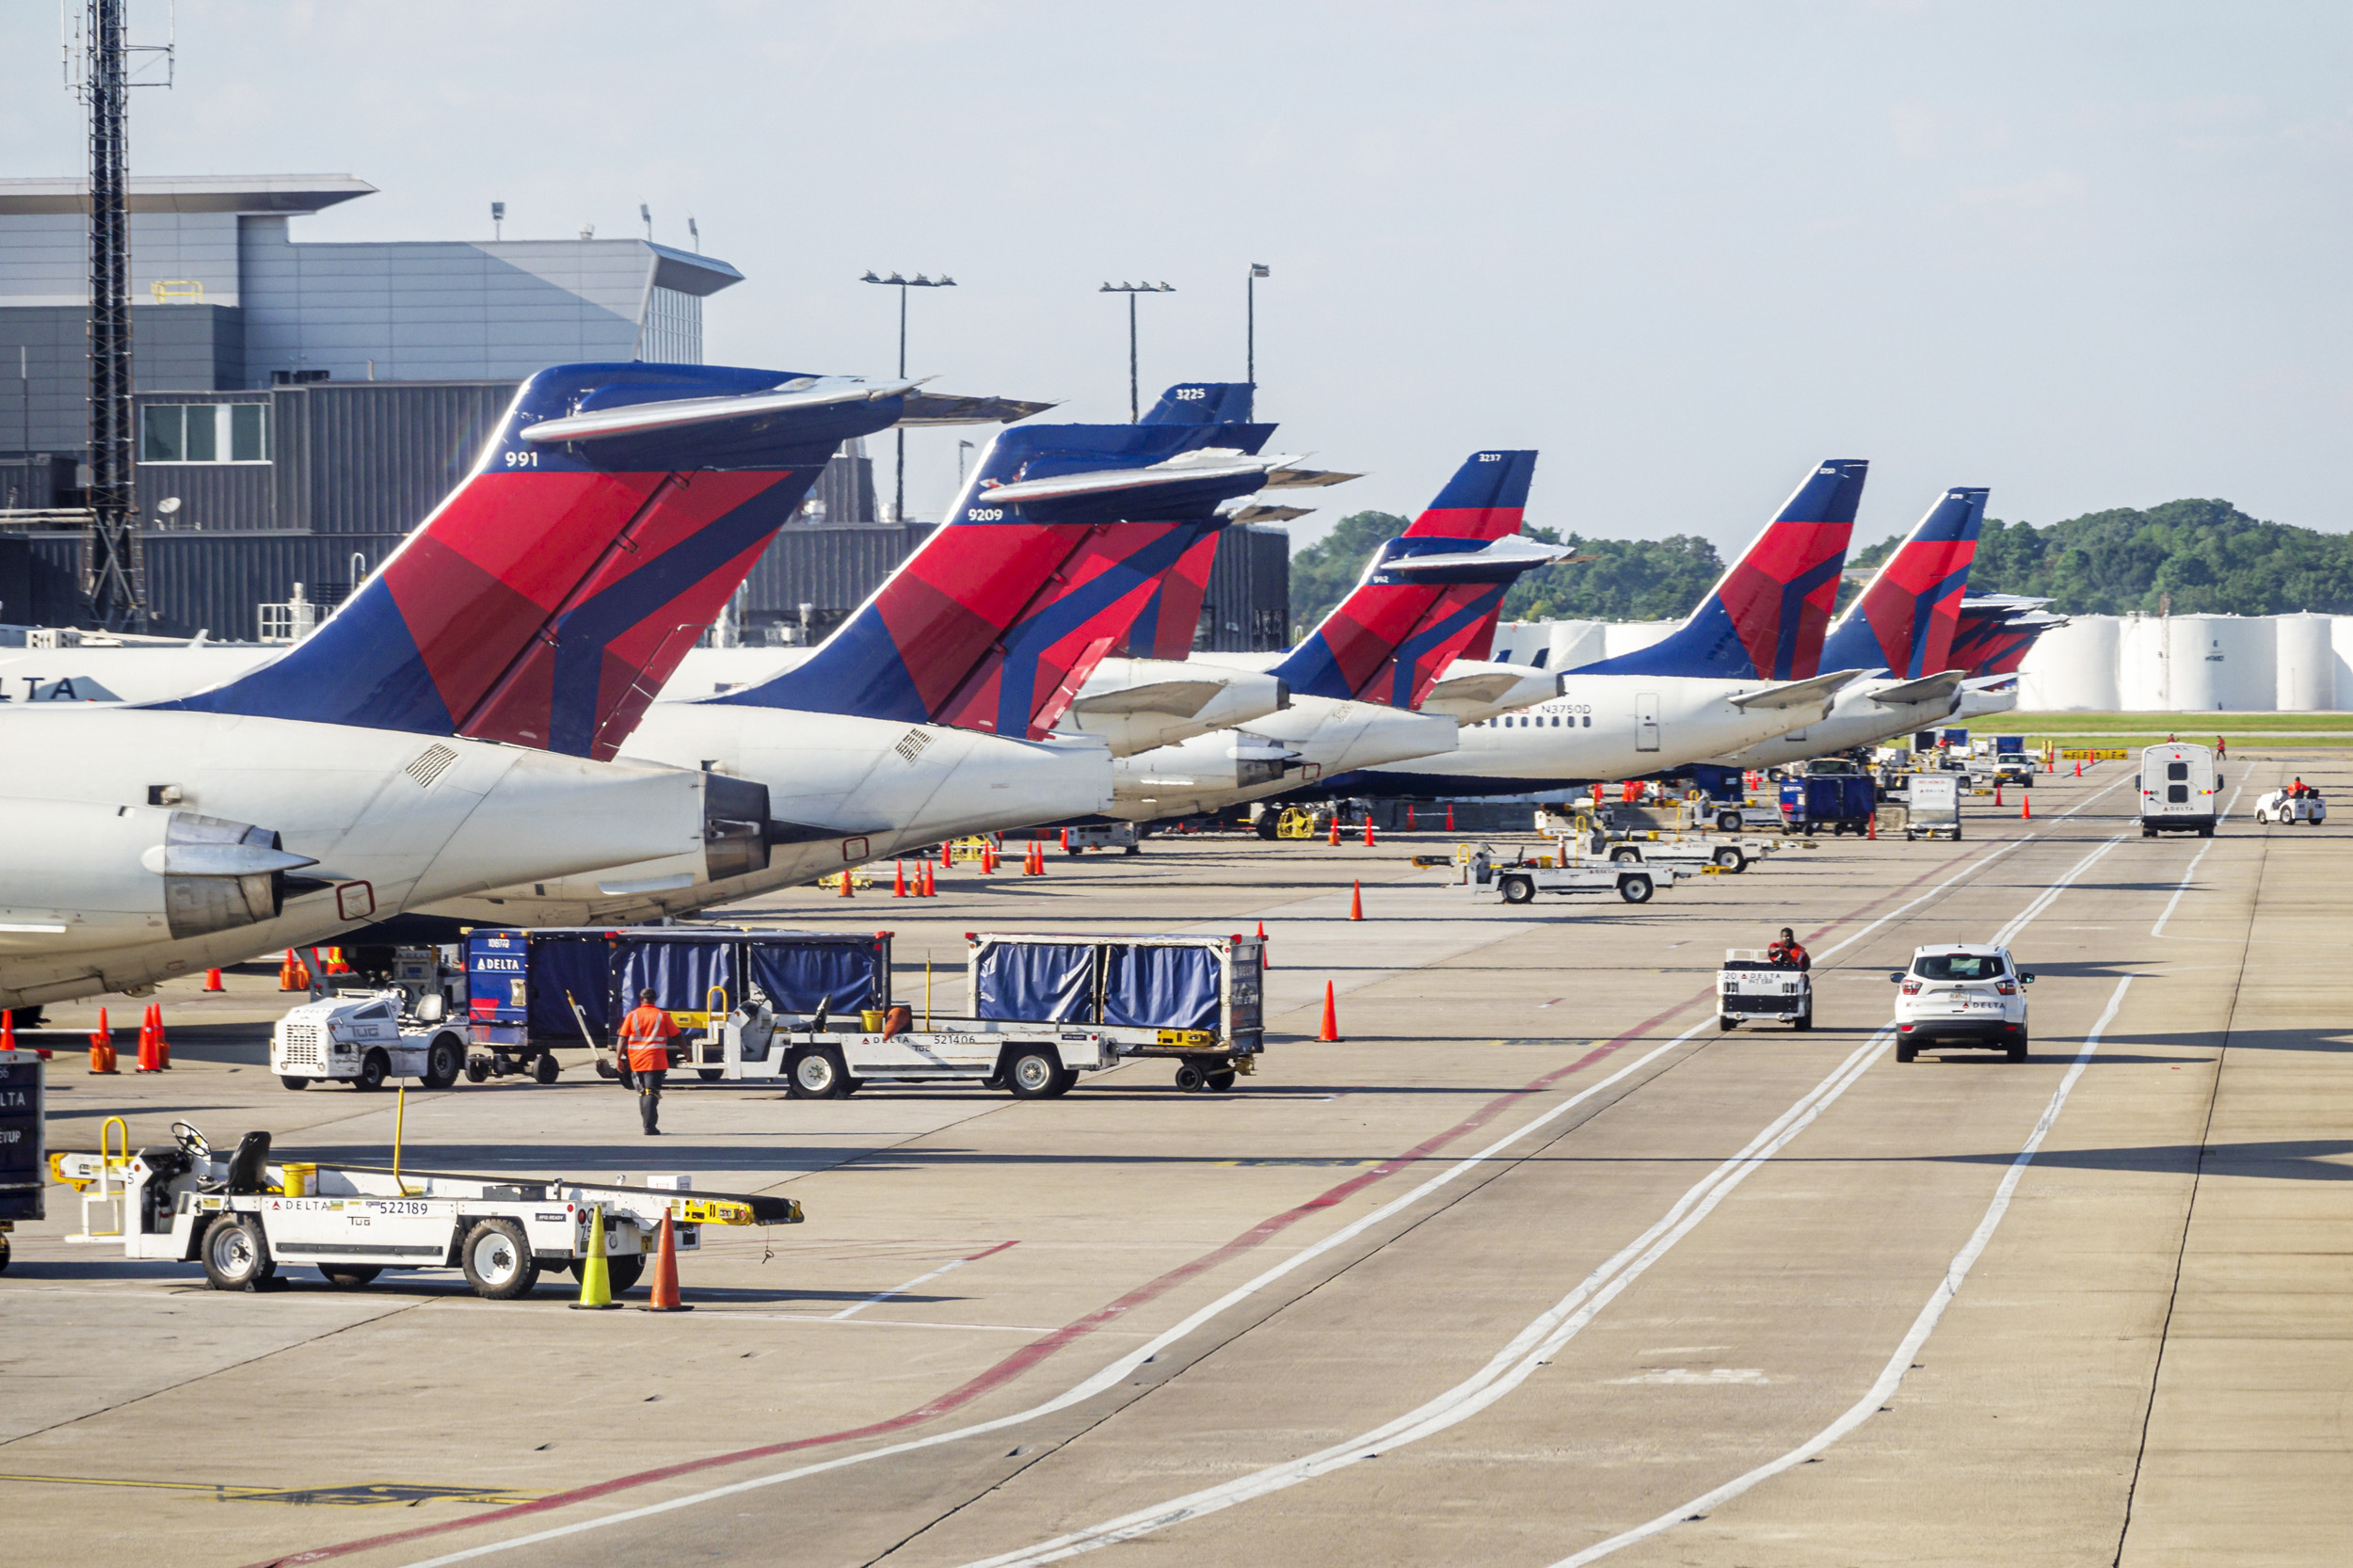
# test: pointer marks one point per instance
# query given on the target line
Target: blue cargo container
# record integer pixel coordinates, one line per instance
(1841, 803)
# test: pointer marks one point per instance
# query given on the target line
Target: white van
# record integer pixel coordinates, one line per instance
(2177, 790)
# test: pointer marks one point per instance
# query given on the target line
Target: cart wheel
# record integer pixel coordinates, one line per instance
(235, 1255)
(710, 1075)
(292, 1082)
(1725, 1021)
(1132, 849)
(1032, 1073)
(1073, 851)
(497, 1258)
(1223, 1079)
(374, 1069)
(1191, 1080)
(545, 1066)
(4, 1253)
(1635, 889)
(477, 1070)
(1624, 856)
(1518, 890)
(1727, 857)
(815, 1073)
(348, 1276)
(1803, 1021)
(444, 1059)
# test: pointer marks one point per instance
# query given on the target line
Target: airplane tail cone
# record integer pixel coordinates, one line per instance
(1330, 1032)
(596, 1275)
(663, 1292)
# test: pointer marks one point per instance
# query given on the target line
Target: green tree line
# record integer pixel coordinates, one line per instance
(2212, 558)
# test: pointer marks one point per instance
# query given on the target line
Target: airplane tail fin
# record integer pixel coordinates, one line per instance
(546, 600)
(1171, 615)
(1905, 619)
(1766, 617)
(1426, 597)
(1055, 548)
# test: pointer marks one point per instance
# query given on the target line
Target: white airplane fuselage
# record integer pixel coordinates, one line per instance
(1315, 738)
(393, 820)
(1855, 719)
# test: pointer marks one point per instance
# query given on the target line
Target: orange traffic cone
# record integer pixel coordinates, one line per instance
(2079, 770)
(1066, 841)
(146, 1040)
(1449, 816)
(7, 1021)
(1368, 830)
(988, 860)
(1336, 830)
(212, 981)
(101, 1046)
(845, 883)
(2025, 809)
(1263, 964)
(924, 886)
(1355, 901)
(948, 853)
(662, 1295)
(1331, 1030)
(286, 981)
(1038, 848)
(1409, 816)
(899, 880)
(1997, 792)
(163, 1046)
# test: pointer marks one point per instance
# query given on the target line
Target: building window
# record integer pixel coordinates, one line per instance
(204, 433)
(673, 333)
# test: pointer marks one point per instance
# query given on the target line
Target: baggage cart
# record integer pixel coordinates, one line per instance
(1196, 1000)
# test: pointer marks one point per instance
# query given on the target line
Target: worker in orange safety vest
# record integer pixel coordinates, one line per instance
(644, 1044)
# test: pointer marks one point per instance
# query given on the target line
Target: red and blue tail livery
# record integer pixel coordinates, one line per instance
(548, 598)
(1428, 597)
(1766, 617)
(1056, 548)
(1905, 619)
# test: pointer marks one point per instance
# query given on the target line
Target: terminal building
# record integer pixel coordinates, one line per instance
(302, 404)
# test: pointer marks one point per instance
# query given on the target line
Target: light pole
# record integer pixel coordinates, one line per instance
(1250, 327)
(1131, 290)
(899, 491)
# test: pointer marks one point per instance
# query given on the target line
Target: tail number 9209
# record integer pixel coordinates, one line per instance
(985, 514)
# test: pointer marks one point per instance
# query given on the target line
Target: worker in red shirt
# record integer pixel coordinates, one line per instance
(1787, 954)
(643, 1047)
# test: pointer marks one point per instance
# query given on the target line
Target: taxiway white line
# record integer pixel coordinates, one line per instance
(898, 1290)
(1891, 1377)
(2050, 895)
(2158, 929)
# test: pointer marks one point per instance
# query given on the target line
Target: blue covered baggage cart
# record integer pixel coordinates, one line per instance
(1197, 1000)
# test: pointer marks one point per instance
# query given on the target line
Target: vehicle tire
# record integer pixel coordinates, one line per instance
(444, 1059)
(620, 1272)
(1725, 1022)
(234, 1253)
(1518, 890)
(292, 1082)
(2017, 1048)
(3, 1254)
(710, 1075)
(348, 1276)
(1727, 821)
(1803, 1021)
(374, 1069)
(2147, 832)
(1624, 856)
(1267, 824)
(1132, 849)
(1635, 889)
(1191, 1080)
(1906, 1049)
(477, 1070)
(544, 1067)
(1031, 1072)
(1221, 1081)
(497, 1258)
(2205, 833)
(1073, 851)
(816, 1073)
(1730, 858)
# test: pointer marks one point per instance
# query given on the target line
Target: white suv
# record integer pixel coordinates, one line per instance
(1961, 995)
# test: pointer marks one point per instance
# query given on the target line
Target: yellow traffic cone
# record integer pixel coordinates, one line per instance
(596, 1277)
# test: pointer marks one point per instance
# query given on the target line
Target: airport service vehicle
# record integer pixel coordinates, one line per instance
(1841, 802)
(452, 726)
(1686, 855)
(1120, 836)
(364, 1038)
(1752, 988)
(2014, 767)
(1197, 1000)
(1519, 881)
(1932, 808)
(22, 1183)
(1901, 631)
(2283, 807)
(1739, 671)
(243, 1217)
(1961, 995)
(2177, 790)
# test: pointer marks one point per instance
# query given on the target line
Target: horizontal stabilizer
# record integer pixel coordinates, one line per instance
(1268, 514)
(1307, 478)
(1933, 688)
(1796, 694)
(1205, 463)
(1487, 686)
(926, 409)
(641, 419)
(1179, 699)
(1512, 554)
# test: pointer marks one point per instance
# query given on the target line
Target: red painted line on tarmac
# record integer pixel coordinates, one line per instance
(1036, 1350)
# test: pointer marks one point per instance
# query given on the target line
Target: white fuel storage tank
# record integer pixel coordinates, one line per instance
(2143, 665)
(2223, 664)
(2308, 664)
(2072, 668)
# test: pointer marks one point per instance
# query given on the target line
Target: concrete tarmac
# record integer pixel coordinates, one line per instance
(1537, 1266)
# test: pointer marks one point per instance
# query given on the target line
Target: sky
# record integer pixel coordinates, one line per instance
(2091, 256)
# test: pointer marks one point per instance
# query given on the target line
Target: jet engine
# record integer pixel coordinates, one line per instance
(80, 873)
